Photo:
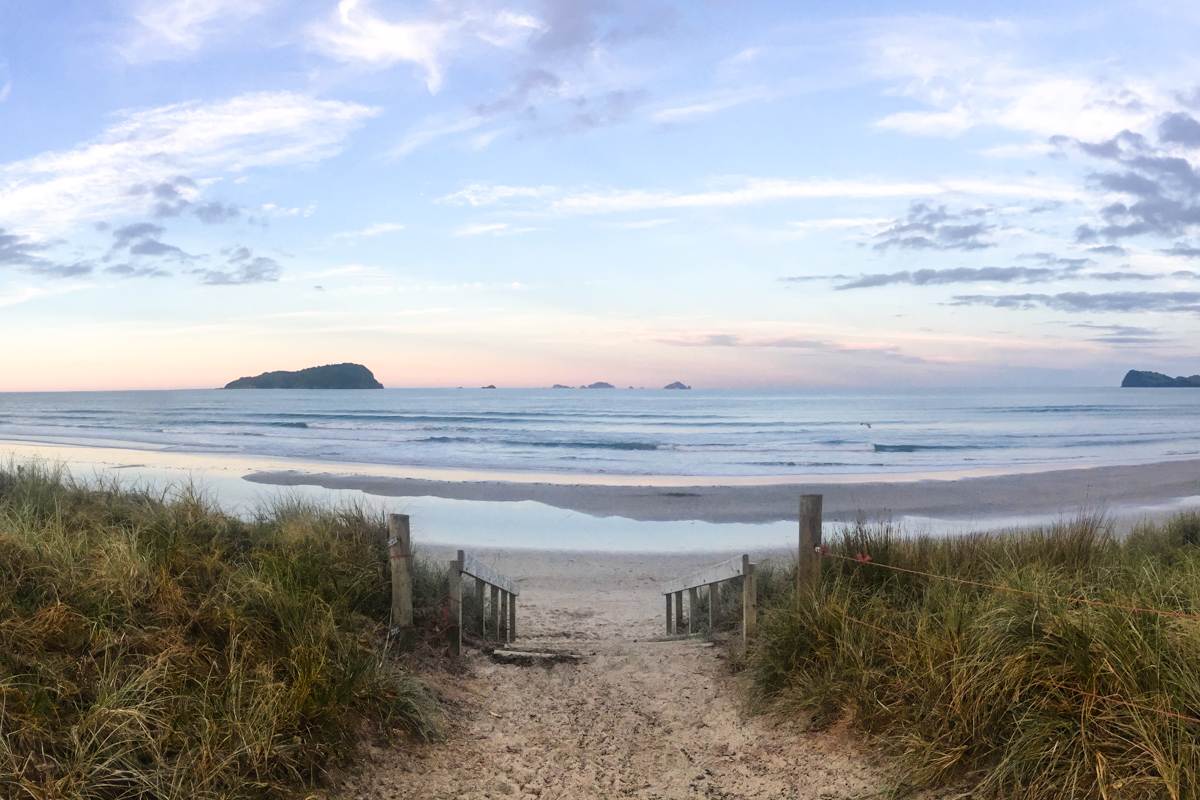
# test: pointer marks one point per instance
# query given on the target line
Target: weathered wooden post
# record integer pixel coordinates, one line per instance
(496, 612)
(504, 599)
(667, 596)
(454, 632)
(693, 608)
(512, 617)
(714, 597)
(400, 564)
(749, 600)
(808, 564)
(679, 611)
(479, 584)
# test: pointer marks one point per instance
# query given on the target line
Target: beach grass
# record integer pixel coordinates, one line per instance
(1043, 672)
(154, 647)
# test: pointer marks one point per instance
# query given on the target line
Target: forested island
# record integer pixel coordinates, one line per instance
(330, 376)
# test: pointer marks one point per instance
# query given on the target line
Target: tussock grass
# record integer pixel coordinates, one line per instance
(1022, 696)
(153, 647)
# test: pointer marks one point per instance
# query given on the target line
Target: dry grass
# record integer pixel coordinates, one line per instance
(153, 647)
(1021, 696)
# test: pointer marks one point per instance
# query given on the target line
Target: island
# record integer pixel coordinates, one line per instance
(330, 376)
(677, 385)
(598, 385)
(1138, 379)
(559, 386)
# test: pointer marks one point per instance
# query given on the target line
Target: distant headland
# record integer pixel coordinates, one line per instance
(1138, 379)
(330, 376)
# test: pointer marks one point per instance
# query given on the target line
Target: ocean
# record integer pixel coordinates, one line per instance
(634, 432)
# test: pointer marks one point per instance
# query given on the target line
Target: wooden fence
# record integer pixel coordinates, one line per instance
(502, 605)
(738, 568)
(499, 616)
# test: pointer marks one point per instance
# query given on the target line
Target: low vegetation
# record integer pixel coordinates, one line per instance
(1025, 693)
(153, 647)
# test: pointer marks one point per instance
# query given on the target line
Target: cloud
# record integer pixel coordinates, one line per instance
(153, 147)
(934, 228)
(1054, 260)
(174, 29)
(242, 267)
(355, 34)
(176, 196)
(1108, 250)
(1163, 189)
(715, 103)
(131, 271)
(29, 256)
(490, 229)
(1079, 302)
(815, 345)
(1120, 334)
(142, 239)
(1182, 249)
(941, 277)
(486, 194)
(433, 129)
(1179, 128)
(757, 191)
(371, 231)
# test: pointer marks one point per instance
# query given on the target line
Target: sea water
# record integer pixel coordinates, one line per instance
(634, 432)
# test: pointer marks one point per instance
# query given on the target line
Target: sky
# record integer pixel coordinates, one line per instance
(469, 192)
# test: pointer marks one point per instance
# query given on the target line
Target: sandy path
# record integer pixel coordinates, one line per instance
(638, 718)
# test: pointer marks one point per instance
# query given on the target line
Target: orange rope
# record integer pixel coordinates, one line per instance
(1013, 590)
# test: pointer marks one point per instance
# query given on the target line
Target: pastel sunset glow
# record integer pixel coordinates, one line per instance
(526, 193)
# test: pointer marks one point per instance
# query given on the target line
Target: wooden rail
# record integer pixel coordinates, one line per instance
(738, 568)
(503, 601)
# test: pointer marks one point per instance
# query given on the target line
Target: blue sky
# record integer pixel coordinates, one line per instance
(524, 193)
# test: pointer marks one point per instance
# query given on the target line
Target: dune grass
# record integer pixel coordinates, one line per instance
(1032, 695)
(153, 647)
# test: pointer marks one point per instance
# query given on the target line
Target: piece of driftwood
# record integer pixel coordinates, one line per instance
(527, 658)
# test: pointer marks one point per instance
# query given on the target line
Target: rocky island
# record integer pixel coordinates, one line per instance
(1138, 379)
(598, 385)
(330, 376)
(677, 385)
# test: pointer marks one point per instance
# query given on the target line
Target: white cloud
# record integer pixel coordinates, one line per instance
(170, 29)
(25, 294)
(969, 74)
(432, 129)
(357, 35)
(754, 191)
(371, 231)
(486, 194)
(490, 229)
(706, 106)
(645, 224)
(840, 223)
(5, 90)
(92, 181)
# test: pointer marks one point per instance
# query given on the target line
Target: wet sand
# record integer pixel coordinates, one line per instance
(1026, 494)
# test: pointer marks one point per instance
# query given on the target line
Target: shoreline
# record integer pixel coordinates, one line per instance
(996, 498)
(1008, 495)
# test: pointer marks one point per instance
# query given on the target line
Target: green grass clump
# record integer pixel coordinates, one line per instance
(1032, 695)
(153, 647)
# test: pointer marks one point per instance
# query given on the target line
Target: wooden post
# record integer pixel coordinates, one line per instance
(679, 611)
(503, 616)
(496, 612)
(400, 564)
(668, 598)
(454, 631)
(512, 617)
(479, 607)
(693, 608)
(808, 564)
(749, 600)
(714, 597)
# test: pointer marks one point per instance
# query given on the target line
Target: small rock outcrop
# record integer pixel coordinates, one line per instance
(1139, 379)
(598, 385)
(677, 385)
(330, 376)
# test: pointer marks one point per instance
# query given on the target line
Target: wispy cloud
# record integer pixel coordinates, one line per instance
(370, 232)
(96, 180)
(698, 107)
(241, 267)
(356, 34)
(1079, 302)
(927, 227)
(942, 277)
(486, 194)
(491, 229)
(172, 29)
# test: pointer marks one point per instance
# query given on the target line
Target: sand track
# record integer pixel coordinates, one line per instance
(636, 719)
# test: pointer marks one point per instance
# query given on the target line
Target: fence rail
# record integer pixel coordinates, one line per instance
(502, 602)
(738, 568)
